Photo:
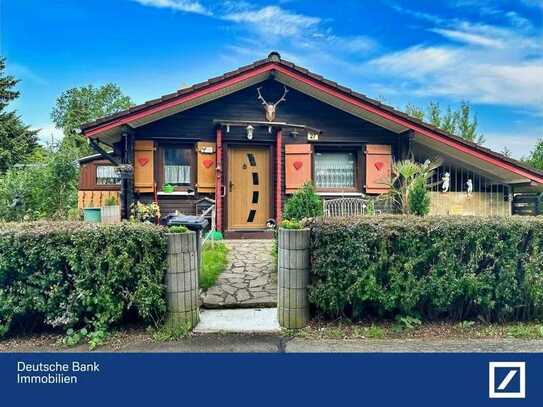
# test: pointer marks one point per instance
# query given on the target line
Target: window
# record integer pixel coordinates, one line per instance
(107, 175)
(335, 170)
(177, 165)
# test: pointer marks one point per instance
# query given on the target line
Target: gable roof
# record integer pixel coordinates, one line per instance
(274, 64)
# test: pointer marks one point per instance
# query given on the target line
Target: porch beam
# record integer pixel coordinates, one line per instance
(96, 147)
(278, 175)
(218, 179)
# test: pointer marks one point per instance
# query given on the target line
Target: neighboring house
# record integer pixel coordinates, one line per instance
(98, 179)
(252, 136)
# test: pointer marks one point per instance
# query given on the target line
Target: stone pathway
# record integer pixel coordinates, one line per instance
(249, 280)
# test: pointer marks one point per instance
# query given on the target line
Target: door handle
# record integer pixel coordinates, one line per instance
(230, 185)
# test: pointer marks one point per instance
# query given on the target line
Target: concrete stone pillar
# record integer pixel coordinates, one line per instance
(293, 278)
(182, 286)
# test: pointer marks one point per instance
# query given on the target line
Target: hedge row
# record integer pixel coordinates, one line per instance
(78, 275)
(432, 267)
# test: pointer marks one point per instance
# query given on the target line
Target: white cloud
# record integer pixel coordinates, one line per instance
(187, 6)
(491, 64)
(466, 73)
(519, 145)
(469, 38)
(274, 21)
(25, 73)
(48, 133)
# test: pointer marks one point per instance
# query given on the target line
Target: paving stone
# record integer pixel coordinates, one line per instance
(242, 295)
(250, 277)
(260, 281)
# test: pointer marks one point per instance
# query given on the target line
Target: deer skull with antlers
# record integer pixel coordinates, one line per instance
(271, 108)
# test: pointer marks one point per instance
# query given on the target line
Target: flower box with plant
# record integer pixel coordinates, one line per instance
(111, 210)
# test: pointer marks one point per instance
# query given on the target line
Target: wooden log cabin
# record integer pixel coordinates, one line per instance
(251, 137)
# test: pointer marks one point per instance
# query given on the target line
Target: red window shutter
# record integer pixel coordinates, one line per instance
(297, 166)
(378, 168)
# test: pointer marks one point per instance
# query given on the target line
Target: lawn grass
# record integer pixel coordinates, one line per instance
(344, 329)
(214, 258)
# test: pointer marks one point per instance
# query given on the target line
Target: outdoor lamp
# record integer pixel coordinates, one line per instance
(250, 131)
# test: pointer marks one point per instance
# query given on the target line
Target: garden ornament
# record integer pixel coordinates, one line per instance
(469, 184)
(446, 182)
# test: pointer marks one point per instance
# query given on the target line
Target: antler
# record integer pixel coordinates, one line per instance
(282, 97)
(260, 96)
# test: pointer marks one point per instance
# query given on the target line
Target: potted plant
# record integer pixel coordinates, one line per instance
(111, 210)
(92, 214)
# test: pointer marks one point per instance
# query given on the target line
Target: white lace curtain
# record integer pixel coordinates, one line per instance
(334, 170)
(177, 174)
(107, 175)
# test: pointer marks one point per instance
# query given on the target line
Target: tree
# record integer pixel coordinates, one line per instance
(467, 124)
(461, 123)
(535, 159)
(77, 106)
(434, 112)
(449, 121)
(414, 111)
(17, 141)
(506, 151)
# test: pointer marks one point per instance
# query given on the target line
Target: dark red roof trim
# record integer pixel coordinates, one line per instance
(317, 82)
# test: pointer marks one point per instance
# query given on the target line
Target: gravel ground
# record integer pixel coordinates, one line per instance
(317, 338)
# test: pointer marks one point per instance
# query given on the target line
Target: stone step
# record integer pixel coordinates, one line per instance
(247, 321)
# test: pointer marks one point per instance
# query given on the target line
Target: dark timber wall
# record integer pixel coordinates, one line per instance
(338, 129)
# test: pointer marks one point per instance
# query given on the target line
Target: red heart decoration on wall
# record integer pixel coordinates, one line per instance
(298, 165)
(208, 163)
(379, 165)
(143, 161)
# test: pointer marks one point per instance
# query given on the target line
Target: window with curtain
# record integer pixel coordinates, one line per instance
(107, 175)
(335, 170)
(177, 165)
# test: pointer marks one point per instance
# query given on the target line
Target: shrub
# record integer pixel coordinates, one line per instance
(304, 203)
(419, 198)
(80, 277)
(290, 224)
(177, 229)
(407, 176)
(46, 189)
(110, 201)
(433, 267)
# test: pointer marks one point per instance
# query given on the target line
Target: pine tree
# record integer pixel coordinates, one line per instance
(17, 140)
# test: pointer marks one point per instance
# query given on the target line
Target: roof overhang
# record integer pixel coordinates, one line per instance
(322, 90)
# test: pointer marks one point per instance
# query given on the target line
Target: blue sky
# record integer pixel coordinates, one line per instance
(487, 52)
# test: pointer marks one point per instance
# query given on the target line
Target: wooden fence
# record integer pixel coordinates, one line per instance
(94, 199)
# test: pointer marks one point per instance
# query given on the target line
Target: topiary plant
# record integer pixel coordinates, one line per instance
(304, 203)
(419, 198)
(177, 229)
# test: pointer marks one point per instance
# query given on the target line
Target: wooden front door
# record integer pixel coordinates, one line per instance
(248, 187)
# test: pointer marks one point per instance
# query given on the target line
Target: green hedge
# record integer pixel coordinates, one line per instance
(78, 275)
(433, 267)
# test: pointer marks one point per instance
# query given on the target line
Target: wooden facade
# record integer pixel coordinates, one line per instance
(226, 148)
